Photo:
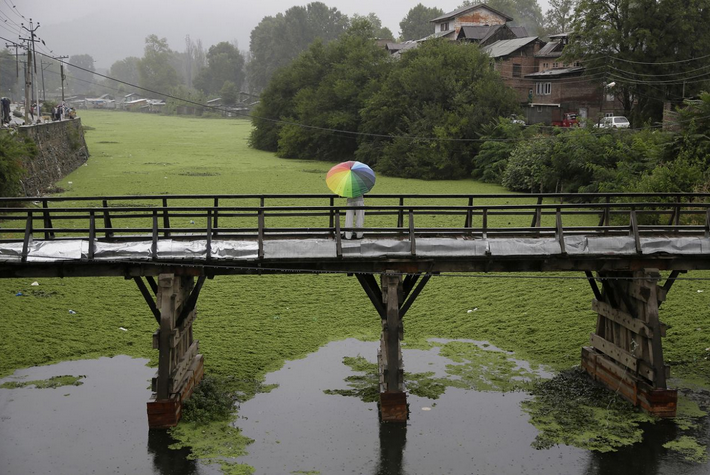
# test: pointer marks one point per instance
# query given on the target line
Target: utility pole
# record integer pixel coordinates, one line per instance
(61, 71)
(31, 52)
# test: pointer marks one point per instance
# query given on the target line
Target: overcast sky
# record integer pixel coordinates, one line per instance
(110, 30)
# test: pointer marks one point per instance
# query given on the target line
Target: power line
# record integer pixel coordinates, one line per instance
(14, 9)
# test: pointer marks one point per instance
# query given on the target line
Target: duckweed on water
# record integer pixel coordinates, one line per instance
(53, 382)
(572, 409)
(543, 321)
(689, 448)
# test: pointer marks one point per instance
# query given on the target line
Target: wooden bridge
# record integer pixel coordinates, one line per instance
(621, 242)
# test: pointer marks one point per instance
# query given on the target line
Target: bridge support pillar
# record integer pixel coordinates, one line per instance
(626, 353)
(393, 398)
(180, 367)
(392, 301)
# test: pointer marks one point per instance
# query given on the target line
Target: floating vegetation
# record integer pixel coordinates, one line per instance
(572, 409)
(484, 369)
(53, 382)
(214, 442)
(689, 448)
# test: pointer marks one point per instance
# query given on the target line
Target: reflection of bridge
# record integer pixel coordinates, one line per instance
(625, 239)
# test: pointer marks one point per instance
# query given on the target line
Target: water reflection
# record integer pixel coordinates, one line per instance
(167, 461)
(393, 439)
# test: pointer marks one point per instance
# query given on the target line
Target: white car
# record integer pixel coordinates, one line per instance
(614, 122)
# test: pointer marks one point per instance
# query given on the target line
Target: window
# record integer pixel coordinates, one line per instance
(543, 88)
(517, 70)
(444, 27)
(555, 65)
(545, 66)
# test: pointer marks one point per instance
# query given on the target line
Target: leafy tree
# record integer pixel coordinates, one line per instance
(558, 18)
(155, 70)
(276, 41)
(125, 70)
(500, 139)
(229, 93)
(9, 80)
(322, 91)
(80, 71)
(380, 32)
(194, 59)
(416, 24)
(437, 98)
(650, 49)
(224, 63)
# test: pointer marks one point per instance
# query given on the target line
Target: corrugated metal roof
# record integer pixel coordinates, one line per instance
(553, 73)
(519, 31)
(550, 50)
(505, 47)
(478, 32)
(462, 10)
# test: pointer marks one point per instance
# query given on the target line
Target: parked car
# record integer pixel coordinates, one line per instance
(568, 119)
(614, 122)
(517, 120)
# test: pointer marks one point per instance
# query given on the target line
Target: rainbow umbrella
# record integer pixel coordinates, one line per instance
(350, 179)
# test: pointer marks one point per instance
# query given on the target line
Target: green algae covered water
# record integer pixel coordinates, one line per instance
(463, 419)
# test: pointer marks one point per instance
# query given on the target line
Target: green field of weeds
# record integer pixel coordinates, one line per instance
(248, 326)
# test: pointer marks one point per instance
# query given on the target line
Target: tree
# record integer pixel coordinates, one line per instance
(417, 23)
(276, 41)
(318, 94)
(558, 18)
(229, 93)
(81, 72)
(9, 80)
(420, 122)
(126, 71)
(652, 50)
(380, 32)
(224, 63)
(155, 70)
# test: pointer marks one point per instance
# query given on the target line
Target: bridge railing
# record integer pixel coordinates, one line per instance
(265, 217)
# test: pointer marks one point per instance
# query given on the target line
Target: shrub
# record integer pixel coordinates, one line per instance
(12, 151)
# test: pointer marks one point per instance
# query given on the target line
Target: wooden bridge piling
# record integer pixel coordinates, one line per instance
(626, 354)
(393, 398)
(180, 366)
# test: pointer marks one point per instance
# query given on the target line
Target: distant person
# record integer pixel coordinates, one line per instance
(6, 116)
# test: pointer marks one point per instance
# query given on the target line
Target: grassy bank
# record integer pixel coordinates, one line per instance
(545, 321)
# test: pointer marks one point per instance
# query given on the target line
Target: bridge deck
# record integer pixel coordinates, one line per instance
(125, 235)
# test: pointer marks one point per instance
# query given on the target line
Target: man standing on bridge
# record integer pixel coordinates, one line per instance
(352, 180)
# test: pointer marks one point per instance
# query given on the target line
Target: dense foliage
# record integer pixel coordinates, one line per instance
(277, 40)
(417, 23)
(224, 64)
(591, 160)
(436, 99)
(12, 151)
(346, 99)
(324, 88)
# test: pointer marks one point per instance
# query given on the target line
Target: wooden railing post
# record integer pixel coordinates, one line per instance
(47, 221)
(107, 219)
(166, 218)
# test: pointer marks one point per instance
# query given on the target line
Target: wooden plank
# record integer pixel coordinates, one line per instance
(622, 318)
(178, 375)
(614, 352)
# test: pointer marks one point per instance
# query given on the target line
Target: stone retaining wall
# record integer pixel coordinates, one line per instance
(61, 150)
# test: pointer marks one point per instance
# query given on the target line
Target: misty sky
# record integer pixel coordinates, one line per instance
(113, 30)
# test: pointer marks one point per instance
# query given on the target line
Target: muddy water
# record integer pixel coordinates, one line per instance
(100, 427)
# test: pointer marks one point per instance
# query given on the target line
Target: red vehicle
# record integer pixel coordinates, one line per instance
(568, 119)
